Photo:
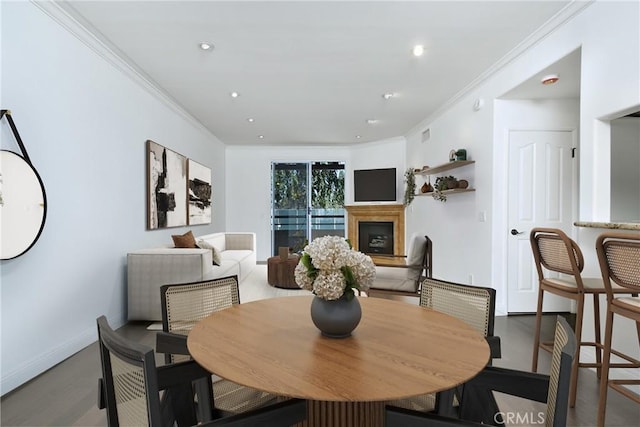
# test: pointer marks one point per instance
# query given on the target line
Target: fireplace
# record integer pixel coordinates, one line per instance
(375, 237)
(387, 239)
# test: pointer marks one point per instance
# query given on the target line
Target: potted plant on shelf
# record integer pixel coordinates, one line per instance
(443, 183)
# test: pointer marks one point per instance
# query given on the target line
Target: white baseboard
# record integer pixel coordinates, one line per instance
(41, 363)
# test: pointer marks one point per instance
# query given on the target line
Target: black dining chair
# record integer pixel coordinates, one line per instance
(183, 305)
(478, 405)
(475, 305)
(135, 392)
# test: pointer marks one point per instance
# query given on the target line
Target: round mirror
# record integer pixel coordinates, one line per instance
(23, 205)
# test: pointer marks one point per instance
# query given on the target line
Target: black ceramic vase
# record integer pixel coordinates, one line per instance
(336, 318)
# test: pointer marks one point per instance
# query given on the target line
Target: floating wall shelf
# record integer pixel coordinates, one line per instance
(444, 167)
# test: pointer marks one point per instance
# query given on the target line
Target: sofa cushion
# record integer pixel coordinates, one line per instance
(216, 240)
(185, 240)
(226, 268)
(395, 279)
(236, 256)
(215, 253)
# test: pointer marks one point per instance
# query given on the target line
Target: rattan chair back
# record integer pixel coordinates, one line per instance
(183, 305)
(186, 304)
(555, 251)
(129, 376)
(474, 305)
(564, 350)
(619, 256)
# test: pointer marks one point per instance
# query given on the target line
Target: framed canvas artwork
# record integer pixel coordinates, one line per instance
(199, 208)
(166, 187)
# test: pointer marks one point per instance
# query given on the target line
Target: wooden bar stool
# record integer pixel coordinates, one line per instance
(554, 251)
(619, 256)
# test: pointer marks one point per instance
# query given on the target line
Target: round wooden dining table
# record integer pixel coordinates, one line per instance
(398, 350)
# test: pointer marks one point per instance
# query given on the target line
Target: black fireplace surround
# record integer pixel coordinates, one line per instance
(375, 237)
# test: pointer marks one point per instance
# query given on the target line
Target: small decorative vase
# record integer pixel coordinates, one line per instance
(336, 318)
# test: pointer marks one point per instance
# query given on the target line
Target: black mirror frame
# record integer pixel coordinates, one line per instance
(27, 161)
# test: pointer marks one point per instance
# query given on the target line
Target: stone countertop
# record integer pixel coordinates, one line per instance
(609, 225)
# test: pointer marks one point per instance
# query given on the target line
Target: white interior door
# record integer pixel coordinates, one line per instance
(540, 195)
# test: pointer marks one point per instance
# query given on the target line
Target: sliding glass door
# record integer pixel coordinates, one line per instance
(307, 201)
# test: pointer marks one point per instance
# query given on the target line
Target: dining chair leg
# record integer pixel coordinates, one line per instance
(536, 333)
(597, 334)
(606, 358)
(575, 368)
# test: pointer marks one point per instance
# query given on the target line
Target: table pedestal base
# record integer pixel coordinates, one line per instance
(344, 414)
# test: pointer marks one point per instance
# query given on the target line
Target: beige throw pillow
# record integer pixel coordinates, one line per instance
(215, 253)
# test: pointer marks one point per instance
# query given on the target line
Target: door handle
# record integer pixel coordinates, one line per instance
(516, 232)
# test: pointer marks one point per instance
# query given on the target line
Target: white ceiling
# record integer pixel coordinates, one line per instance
(567, 69)
(312, 72)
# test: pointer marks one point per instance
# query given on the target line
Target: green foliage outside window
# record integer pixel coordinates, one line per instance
(327, 188)
(289, 188)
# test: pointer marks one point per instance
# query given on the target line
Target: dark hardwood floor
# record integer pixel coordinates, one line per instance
(66, 394)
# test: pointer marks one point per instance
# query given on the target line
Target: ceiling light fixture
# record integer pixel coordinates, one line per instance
(358, 137)
(250, 120)
(418, 50)
(234, 94)
(205, 46)
(550, 79)
(372, 121)
(261, 136)
(388, 95)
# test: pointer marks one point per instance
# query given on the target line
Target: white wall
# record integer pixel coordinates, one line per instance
(248, 178)
(625, 170)
(84, 124)
(609, 35)
(461, 243)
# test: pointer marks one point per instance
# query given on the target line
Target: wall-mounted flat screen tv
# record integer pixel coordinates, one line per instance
(374, 185)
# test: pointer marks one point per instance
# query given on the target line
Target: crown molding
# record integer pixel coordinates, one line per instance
(558, 20)
(68, 18)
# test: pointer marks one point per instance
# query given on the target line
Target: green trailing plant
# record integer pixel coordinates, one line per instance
(410, 186)
(442, 184)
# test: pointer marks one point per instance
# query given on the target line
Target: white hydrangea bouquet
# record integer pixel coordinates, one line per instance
(331, 269)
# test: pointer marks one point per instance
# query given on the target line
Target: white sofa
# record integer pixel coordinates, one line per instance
(149, 269)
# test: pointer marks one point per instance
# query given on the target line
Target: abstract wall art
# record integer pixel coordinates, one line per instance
(199, 207)
(166, 187)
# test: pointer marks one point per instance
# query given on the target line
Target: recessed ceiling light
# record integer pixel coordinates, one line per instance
(234, 94)
(261, 136)
(372, 121)
(388, 95)
(358, 137)
(250, 120)
(418, 50)
(550, 79)
(205, 46)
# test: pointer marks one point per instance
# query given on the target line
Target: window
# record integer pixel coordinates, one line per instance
(307, 201)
